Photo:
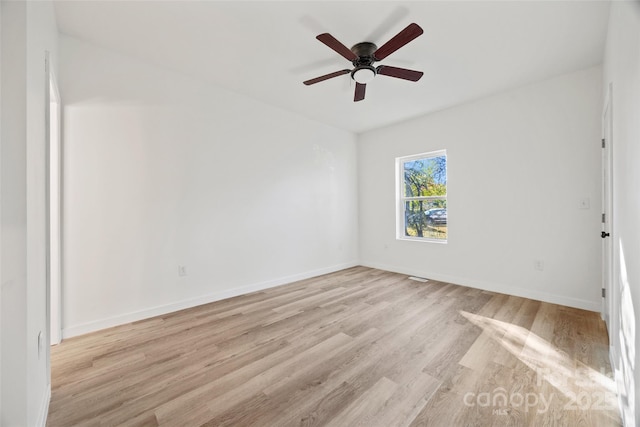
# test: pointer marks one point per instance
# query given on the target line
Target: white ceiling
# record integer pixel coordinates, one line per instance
(266, 49)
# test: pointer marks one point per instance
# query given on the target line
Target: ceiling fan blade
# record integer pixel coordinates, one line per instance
(334, 44)
(403, 37)
(360, 89)
(400, 73)
(326, 77)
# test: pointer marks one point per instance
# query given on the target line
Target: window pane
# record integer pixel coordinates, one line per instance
(425, 177)
(422, 196)
(426, 218)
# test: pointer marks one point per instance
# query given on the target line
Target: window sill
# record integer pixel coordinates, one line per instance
(422, 240)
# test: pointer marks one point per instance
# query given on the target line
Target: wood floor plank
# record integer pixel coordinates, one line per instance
(407, 402)
(362, 411)
(355, 347)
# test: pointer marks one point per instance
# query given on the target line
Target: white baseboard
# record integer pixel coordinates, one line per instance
(44, 408)
(493, 287)
(124, 318)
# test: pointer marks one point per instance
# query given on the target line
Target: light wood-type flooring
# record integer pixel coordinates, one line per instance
(359, 347)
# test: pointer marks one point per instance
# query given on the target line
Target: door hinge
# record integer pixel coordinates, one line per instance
(603, 217)
(602, 142)
(604, 293)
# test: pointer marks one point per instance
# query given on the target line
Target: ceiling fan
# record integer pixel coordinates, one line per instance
(363, 55)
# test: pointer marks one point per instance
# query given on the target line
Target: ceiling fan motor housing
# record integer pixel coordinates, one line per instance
(364, 51)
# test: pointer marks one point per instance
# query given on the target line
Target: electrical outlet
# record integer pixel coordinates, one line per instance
(182, 270)
(538, 265)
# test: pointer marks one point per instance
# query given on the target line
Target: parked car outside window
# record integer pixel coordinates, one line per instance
(436, 216)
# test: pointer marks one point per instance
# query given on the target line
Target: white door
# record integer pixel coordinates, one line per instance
(609, 310)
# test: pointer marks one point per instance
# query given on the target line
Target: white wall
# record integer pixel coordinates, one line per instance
(1, 222)
(28, 30)
(13, 214)
(622, 71)
(161, 171)
(518, 165)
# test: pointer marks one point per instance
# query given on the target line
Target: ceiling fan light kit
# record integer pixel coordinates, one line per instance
(364, 54)
(363, 74)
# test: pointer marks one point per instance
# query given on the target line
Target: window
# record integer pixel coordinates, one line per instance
(422, 197)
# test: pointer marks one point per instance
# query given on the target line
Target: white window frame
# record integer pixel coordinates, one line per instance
(401, 199)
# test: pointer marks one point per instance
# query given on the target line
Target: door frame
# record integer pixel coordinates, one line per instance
(53, 173)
